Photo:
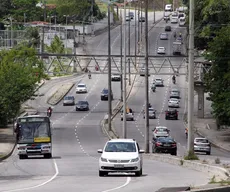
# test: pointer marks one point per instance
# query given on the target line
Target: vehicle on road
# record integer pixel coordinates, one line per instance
(152, 113)
(163, 36)
(167, 16)
(34, 136)
(81, 88)
(160, 131)
(120, 155)
(161, 50)
(168, 28)
(142, 19)
(142, 71)
(168, 8)
(69, 100)
(129, 114)
(159, 82)
(164, 145)
(153, 87)
(177, 48)
(174, 93)
(182, 22)
(116, 77)
(82, 106)
(174, 20)
(105, 95)
(171, 114)
(131, 15)
(173, 102)
(127, 18)
(202, 145)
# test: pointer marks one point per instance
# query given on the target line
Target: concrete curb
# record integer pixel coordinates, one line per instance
(219, 172)
(216, 189)
(60, 93)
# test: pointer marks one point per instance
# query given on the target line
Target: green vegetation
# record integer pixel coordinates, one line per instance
(212, 19)
(191, 156)
(20, 69)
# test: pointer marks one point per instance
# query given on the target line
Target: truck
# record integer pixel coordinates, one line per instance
(177, 48)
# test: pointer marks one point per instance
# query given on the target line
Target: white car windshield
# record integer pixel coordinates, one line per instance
(120, 147)
(161, 130)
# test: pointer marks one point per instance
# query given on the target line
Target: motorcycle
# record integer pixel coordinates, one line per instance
(153, 88)
(174, 81)
(186, 135)
(89, 76)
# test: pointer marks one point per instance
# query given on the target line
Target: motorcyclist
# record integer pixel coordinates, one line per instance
(49, 111)
(186, 132)
(174, 79)
(180, 34)
(174, 35)
(89, 74)
(150, 105)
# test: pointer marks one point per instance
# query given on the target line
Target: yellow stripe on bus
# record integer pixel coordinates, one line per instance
(42, 139)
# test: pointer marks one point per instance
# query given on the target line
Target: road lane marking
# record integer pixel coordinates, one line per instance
(39, 185)
(128, 179)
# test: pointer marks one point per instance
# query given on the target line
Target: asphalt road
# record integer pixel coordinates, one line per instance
(76, 138)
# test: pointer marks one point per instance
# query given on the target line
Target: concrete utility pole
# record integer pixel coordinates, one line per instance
(121, 47)
(124, 76)
(109, 73)
(129, 51)
(135, 33)
(146, 81)
(191, 77)
(138, 28)
(74, 48)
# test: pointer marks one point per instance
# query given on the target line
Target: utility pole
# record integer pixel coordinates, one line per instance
(129, 51)
(146, 81)
(135, 40)
(138, 28)
(141, 21)
(121, 47)
(191, 77)
(44, 14)
(109, 73)
(154, 12)
(74, 48)
(124, 76)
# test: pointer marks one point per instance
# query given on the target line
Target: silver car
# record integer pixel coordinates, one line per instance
(69, 100)
(161, 50)
(159, 82)
(116, 77)
(175, 93)
(173, 102)
(202, 145)
(164, 36)
(152, 113)
(160, 131)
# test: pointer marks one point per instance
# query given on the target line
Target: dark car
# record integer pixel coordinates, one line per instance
(82, 106)
(171, 114)
(131, 15)
(168, 28)
(105, 95)
(164, 145)
(142, 19)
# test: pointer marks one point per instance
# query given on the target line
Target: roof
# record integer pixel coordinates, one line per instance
(81, 84)
(33, 116)
(122, 140)
(161, 127)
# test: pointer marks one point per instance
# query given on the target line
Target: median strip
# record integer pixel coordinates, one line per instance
(60, 93)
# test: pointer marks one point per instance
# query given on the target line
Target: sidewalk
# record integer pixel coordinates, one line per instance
(207, 127)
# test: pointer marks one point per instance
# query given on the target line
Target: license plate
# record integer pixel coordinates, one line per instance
(118, 166)
(166, 145)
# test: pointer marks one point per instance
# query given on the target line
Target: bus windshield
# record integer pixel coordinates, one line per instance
(30, 132)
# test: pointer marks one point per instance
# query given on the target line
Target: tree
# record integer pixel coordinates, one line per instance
(56, 46)
(210, 17)
(26, 8)
(5, 7)
(218, 79)
(18, 67)
(32, 37)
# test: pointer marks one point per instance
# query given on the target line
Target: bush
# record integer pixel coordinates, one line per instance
(191, 156)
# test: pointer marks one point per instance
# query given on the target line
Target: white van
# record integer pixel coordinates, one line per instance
(174, 20)
(168, 7)
(182, 21)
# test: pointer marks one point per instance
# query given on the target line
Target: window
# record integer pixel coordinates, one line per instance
(120, 147)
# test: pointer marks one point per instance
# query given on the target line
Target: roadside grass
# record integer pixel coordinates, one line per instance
(221, 182)
(51, 1)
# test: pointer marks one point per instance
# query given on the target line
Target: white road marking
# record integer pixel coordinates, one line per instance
(39, 185)
(116, 188)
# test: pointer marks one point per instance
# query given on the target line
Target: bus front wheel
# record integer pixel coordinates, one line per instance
(48, 155)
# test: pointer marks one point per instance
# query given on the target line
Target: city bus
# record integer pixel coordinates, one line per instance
(34, 136)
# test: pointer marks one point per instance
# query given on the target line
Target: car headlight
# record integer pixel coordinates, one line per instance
(135, 160)
(103, 159)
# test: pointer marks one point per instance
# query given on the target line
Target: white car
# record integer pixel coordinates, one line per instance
(159, 82)
(115, 77)
(173, 102)
(160, 131)
(81, 88)
(161, 50)
(121, 155)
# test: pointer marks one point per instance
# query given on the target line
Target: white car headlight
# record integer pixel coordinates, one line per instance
(135, 160)
(104, 159)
